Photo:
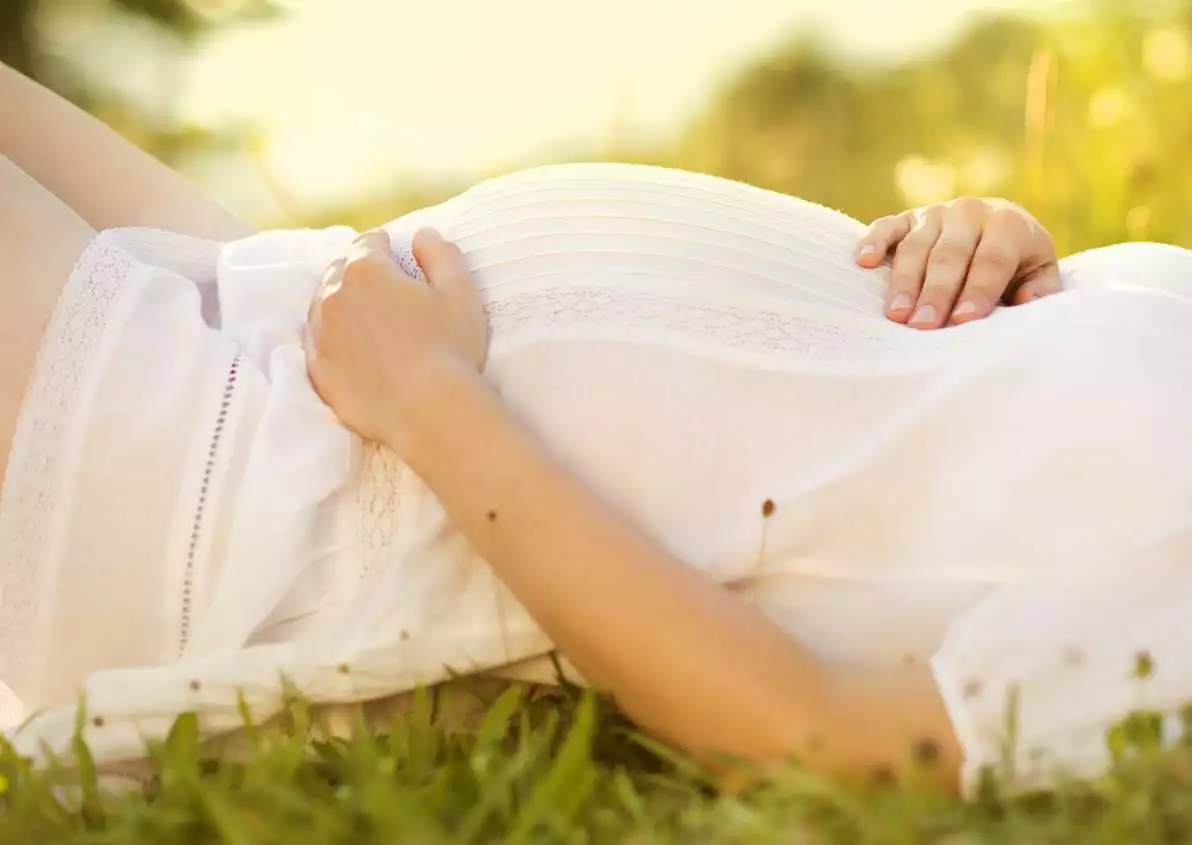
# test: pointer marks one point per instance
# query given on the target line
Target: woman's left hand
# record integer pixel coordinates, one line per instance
(954, 262)
(380, 344)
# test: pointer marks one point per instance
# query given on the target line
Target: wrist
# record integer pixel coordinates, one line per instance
(440, 393)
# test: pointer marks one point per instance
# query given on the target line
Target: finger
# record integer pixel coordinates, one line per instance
(369, 256)
(442, 263)
(373, 240)
(947, 265)
(332, 276)
(881, 237)
(1039, 283)
(909, 267)
(314, 312)
(994, 267)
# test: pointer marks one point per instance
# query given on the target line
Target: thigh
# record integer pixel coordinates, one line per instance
(108, 181)
(40, 241)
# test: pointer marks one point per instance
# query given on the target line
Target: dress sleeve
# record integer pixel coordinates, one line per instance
(1036, 675)
(271, 276)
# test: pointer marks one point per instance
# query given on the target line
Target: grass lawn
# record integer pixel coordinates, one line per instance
(564, 768)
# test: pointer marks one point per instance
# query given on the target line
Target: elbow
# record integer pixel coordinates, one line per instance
(857, 741)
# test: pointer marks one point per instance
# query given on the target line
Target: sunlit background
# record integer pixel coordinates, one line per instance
(314, 111)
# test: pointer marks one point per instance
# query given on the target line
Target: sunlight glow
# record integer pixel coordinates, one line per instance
(350, 92)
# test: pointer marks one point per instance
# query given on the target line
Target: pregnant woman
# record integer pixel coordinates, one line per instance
(660, 421)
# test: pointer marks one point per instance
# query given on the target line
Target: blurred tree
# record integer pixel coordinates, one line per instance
(1086, 119)
(22, 36)
(28, 30)
(16, 34)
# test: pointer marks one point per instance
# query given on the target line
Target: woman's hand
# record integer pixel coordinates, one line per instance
(381, 344)
(955, 262)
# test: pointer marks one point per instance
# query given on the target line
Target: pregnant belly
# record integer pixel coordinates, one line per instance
(760, 419)
(1018, 445)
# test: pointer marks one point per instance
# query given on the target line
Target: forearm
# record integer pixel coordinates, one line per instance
(107, 180)
(684, 657)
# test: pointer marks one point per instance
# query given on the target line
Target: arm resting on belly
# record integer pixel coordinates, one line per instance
(107, 180)
(686, 658)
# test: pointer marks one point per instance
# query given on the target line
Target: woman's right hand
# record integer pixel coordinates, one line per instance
(956, 261)
(382, 345)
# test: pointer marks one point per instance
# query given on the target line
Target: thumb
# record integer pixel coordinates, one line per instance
(442, 263)
(369, 248)
(1042, 282)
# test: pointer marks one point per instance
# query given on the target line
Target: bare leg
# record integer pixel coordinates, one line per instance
(40, 241)
(108, 181)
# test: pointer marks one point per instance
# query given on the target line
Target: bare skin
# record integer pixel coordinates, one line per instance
(107, 181)
(955, 262)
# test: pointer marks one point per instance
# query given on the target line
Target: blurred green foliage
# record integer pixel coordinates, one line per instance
(30, 41)
(564, 768)
(1088, 122)
(1085, 118)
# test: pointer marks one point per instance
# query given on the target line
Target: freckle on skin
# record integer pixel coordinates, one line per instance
(768, 508)
(491, 516)
(97, 721)
(343, 669)
(926, 752)
(194, 686)
(884, 776)
(405, 635)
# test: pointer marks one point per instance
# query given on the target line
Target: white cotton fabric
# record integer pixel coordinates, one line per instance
(1010, 499)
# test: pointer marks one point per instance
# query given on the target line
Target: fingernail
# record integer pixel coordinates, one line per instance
(866, 250)
(964, 308)
(899, 302)
(925, 314)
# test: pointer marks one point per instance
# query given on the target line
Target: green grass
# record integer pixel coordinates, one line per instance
(561, 768)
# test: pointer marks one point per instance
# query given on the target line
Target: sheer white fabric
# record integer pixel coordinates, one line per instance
(691, 348)
(120, 390)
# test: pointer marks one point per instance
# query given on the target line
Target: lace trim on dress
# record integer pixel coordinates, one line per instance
(29, 500)
(749, 327)
(200, 521)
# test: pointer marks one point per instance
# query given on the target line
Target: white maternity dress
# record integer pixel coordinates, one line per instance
(1010, 500)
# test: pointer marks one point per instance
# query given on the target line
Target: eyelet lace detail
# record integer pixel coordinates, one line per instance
(29, 501)
(752, 327)
(199, 523)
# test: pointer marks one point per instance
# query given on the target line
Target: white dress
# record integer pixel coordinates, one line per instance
(1010, 500)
